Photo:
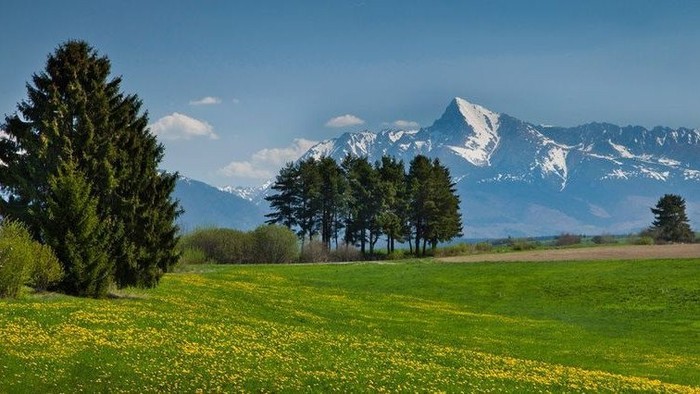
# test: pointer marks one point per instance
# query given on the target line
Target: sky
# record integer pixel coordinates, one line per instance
(236, 89)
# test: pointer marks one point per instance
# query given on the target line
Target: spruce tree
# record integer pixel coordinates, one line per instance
(446, 221)
(75, 106)
(76, 233)
(671, 222)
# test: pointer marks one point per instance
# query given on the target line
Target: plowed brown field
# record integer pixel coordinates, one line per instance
(631, 252)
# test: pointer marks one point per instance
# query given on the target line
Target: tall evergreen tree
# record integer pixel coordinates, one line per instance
(392, 219)
(365, 203)
(76, 233)
(671, 222)
(284, 202)
(446, 222)
(74, 106)
(434, 205)
(420, 205)
(308, 207)
(332, 200)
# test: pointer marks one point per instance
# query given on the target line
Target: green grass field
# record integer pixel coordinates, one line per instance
(406, 326)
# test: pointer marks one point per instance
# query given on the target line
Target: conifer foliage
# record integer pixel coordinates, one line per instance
(81, 171)
(671, 222)
(368, 202)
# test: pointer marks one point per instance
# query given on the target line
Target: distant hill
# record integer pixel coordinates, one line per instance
(206, 205)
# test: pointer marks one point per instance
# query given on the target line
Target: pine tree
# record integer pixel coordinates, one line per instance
(434, 204)
(308, 207)
(74, 106)
(446, 223)
(332, 201)
(283, 203)
(420, 205)
(671, 222)
(365, 203)
(77, 234)
(395, 205)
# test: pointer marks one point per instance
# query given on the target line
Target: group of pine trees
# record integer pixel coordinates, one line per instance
(356, 203)
(80, 170)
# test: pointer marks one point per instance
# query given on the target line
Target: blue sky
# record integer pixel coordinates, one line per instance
(235, 88)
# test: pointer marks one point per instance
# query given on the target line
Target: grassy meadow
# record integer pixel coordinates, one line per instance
(413, 325)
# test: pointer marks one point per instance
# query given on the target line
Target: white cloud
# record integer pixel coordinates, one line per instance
(265, 163)
(405, 124)
(236, 101)
(181, 127)
(245, 169)
(344, 121)
(208, 100)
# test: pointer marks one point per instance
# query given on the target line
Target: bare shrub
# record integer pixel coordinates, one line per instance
(346, 252)
(314, 252)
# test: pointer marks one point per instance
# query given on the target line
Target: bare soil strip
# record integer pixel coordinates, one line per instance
(631, 252)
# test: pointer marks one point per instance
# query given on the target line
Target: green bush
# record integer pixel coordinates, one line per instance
(603, 239)
(567, 239)
(16, 258)
(396, 255)
(24, 261)
(47, 270)
(192, 255)
(483, 247)
(644, 240)
(523, 244)
(221, 245)
(275, 244)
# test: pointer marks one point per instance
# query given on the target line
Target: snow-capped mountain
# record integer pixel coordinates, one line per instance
(517, 178)
(254, 194)
(205, 205)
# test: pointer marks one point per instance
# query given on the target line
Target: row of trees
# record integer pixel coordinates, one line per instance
(358, 202)
(81, 172)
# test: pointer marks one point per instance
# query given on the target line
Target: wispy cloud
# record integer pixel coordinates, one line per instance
(405, 124)
(265, 163)
(344, 121)
(182, 127)
(208, 100)
(245, 169)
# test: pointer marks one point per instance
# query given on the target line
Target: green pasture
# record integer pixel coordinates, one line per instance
(407, 326)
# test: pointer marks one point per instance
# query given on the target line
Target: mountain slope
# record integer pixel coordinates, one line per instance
(517, 178)
(205, 205)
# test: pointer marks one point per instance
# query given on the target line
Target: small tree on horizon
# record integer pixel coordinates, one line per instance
(671, 222)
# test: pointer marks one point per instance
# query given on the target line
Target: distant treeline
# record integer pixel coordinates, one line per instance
(356, 203)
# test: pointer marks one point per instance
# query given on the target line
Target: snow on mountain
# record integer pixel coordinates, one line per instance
(253, 194)
(518, 178)
(507, 169)
(479, 146)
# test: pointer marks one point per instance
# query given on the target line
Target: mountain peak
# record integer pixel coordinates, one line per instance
(478, 117)
(469, 130)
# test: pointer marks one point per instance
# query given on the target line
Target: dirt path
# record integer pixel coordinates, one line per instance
(632, 252)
